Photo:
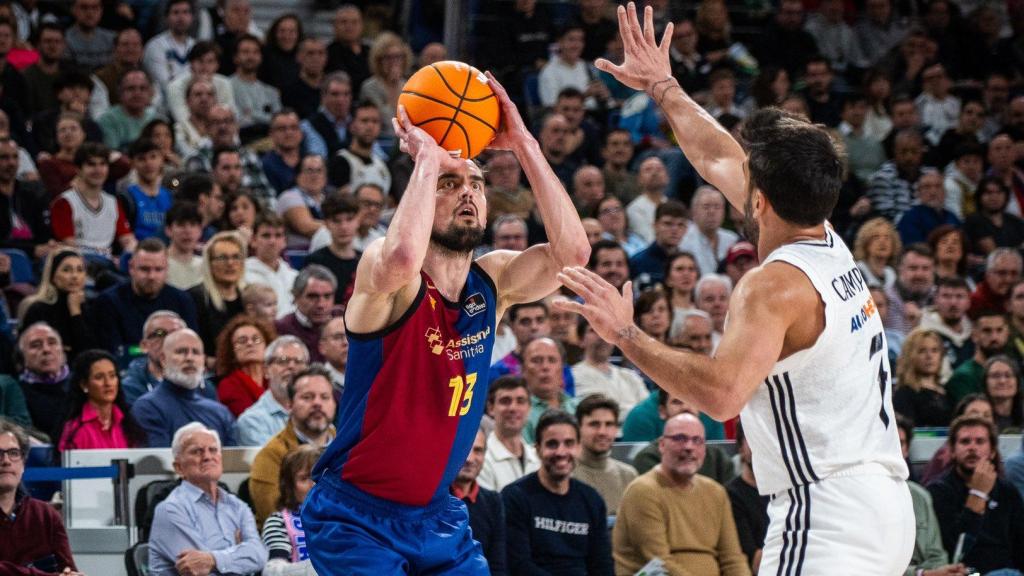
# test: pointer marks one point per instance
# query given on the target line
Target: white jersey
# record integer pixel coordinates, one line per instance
(829, 407)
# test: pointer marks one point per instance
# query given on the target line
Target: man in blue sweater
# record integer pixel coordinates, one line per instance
(176, 401)
(555, 523)
(121, 311)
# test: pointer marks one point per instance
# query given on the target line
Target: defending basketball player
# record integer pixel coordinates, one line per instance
(421, 324)
(803, 354)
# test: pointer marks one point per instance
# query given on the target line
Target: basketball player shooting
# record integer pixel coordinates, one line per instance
(803, 355)
(421, 324)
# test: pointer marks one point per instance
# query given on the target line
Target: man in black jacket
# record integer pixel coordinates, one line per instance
(486, 513)
(23, 208)
(973, 503)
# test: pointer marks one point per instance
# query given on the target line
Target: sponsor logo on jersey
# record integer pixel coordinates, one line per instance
(475, 304)
(457, 348)
(860, 319)
(434, 341)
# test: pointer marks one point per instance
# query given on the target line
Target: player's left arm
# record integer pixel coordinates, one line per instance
(767, 302)
(531, 274)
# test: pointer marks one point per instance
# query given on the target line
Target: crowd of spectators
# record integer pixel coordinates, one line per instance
(184, 199)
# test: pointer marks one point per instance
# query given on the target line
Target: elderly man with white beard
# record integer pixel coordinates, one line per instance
(177, 401)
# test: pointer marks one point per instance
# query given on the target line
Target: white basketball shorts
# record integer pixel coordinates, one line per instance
(857, 522)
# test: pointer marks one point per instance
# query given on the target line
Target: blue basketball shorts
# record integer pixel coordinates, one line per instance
(350, 532)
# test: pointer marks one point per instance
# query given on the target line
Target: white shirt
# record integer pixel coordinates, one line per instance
(620, 384)
(165, 58)
(502, 467)
(281, 280)
(556, 75)
(177, 105)
(640, 213)
(938, 115)
(829, 407)
(708, 256)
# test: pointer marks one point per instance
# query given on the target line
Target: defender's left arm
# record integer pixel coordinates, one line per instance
(532, 274)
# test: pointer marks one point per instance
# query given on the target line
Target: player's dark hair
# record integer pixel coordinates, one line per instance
(977, 315)
(314, 369)
(604, 245)
(267, 218)
(506, 382)
(951, 282)
(593, 402)
(918, 248)
(183, 212)
(141, 147)
(795, 164)
(220, 151)
(72, 78)
(91, 151)
(672, 208)
(172, 3)
(202, 48)
(193, 186)
(570, 92)
(338, 203)
(554, 417)
(515, 309)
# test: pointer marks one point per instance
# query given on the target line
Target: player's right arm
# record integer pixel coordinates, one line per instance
(389, 268)
(716, 155)
(769, 318)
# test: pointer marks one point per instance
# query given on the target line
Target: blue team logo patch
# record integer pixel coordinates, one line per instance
(474, 304)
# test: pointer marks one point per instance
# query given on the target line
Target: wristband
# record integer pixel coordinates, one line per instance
(978, 494)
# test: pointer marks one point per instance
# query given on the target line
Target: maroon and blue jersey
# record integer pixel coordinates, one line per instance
(414, 395)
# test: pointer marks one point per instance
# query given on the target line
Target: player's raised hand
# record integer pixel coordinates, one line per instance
(646, 61)
(512, 132)
(609, 313)
(413, 140)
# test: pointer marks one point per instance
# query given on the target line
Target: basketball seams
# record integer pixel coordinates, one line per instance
(446, 104)
(469, 78)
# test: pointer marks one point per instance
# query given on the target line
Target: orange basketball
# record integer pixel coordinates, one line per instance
(454, 103)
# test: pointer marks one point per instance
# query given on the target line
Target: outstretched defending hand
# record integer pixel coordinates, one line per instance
(647, 61)
(609, 313)
(413, 140)
(512, 132)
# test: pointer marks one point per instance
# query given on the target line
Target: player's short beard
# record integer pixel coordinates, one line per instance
(751, 228)
(458, 240)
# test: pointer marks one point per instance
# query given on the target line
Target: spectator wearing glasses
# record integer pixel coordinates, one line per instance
(240, 349)
(371, 203)
(218, 298)
(35, 541)
(146, 372)
(696, 531)
(284, 357)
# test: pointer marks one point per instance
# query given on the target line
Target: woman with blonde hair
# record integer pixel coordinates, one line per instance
(876, 248)
(390, 61)
(919, 392)
(218, 297)
(60, 301)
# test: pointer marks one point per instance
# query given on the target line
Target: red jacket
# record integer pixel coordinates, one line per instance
(33, 534)
(238, 391)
